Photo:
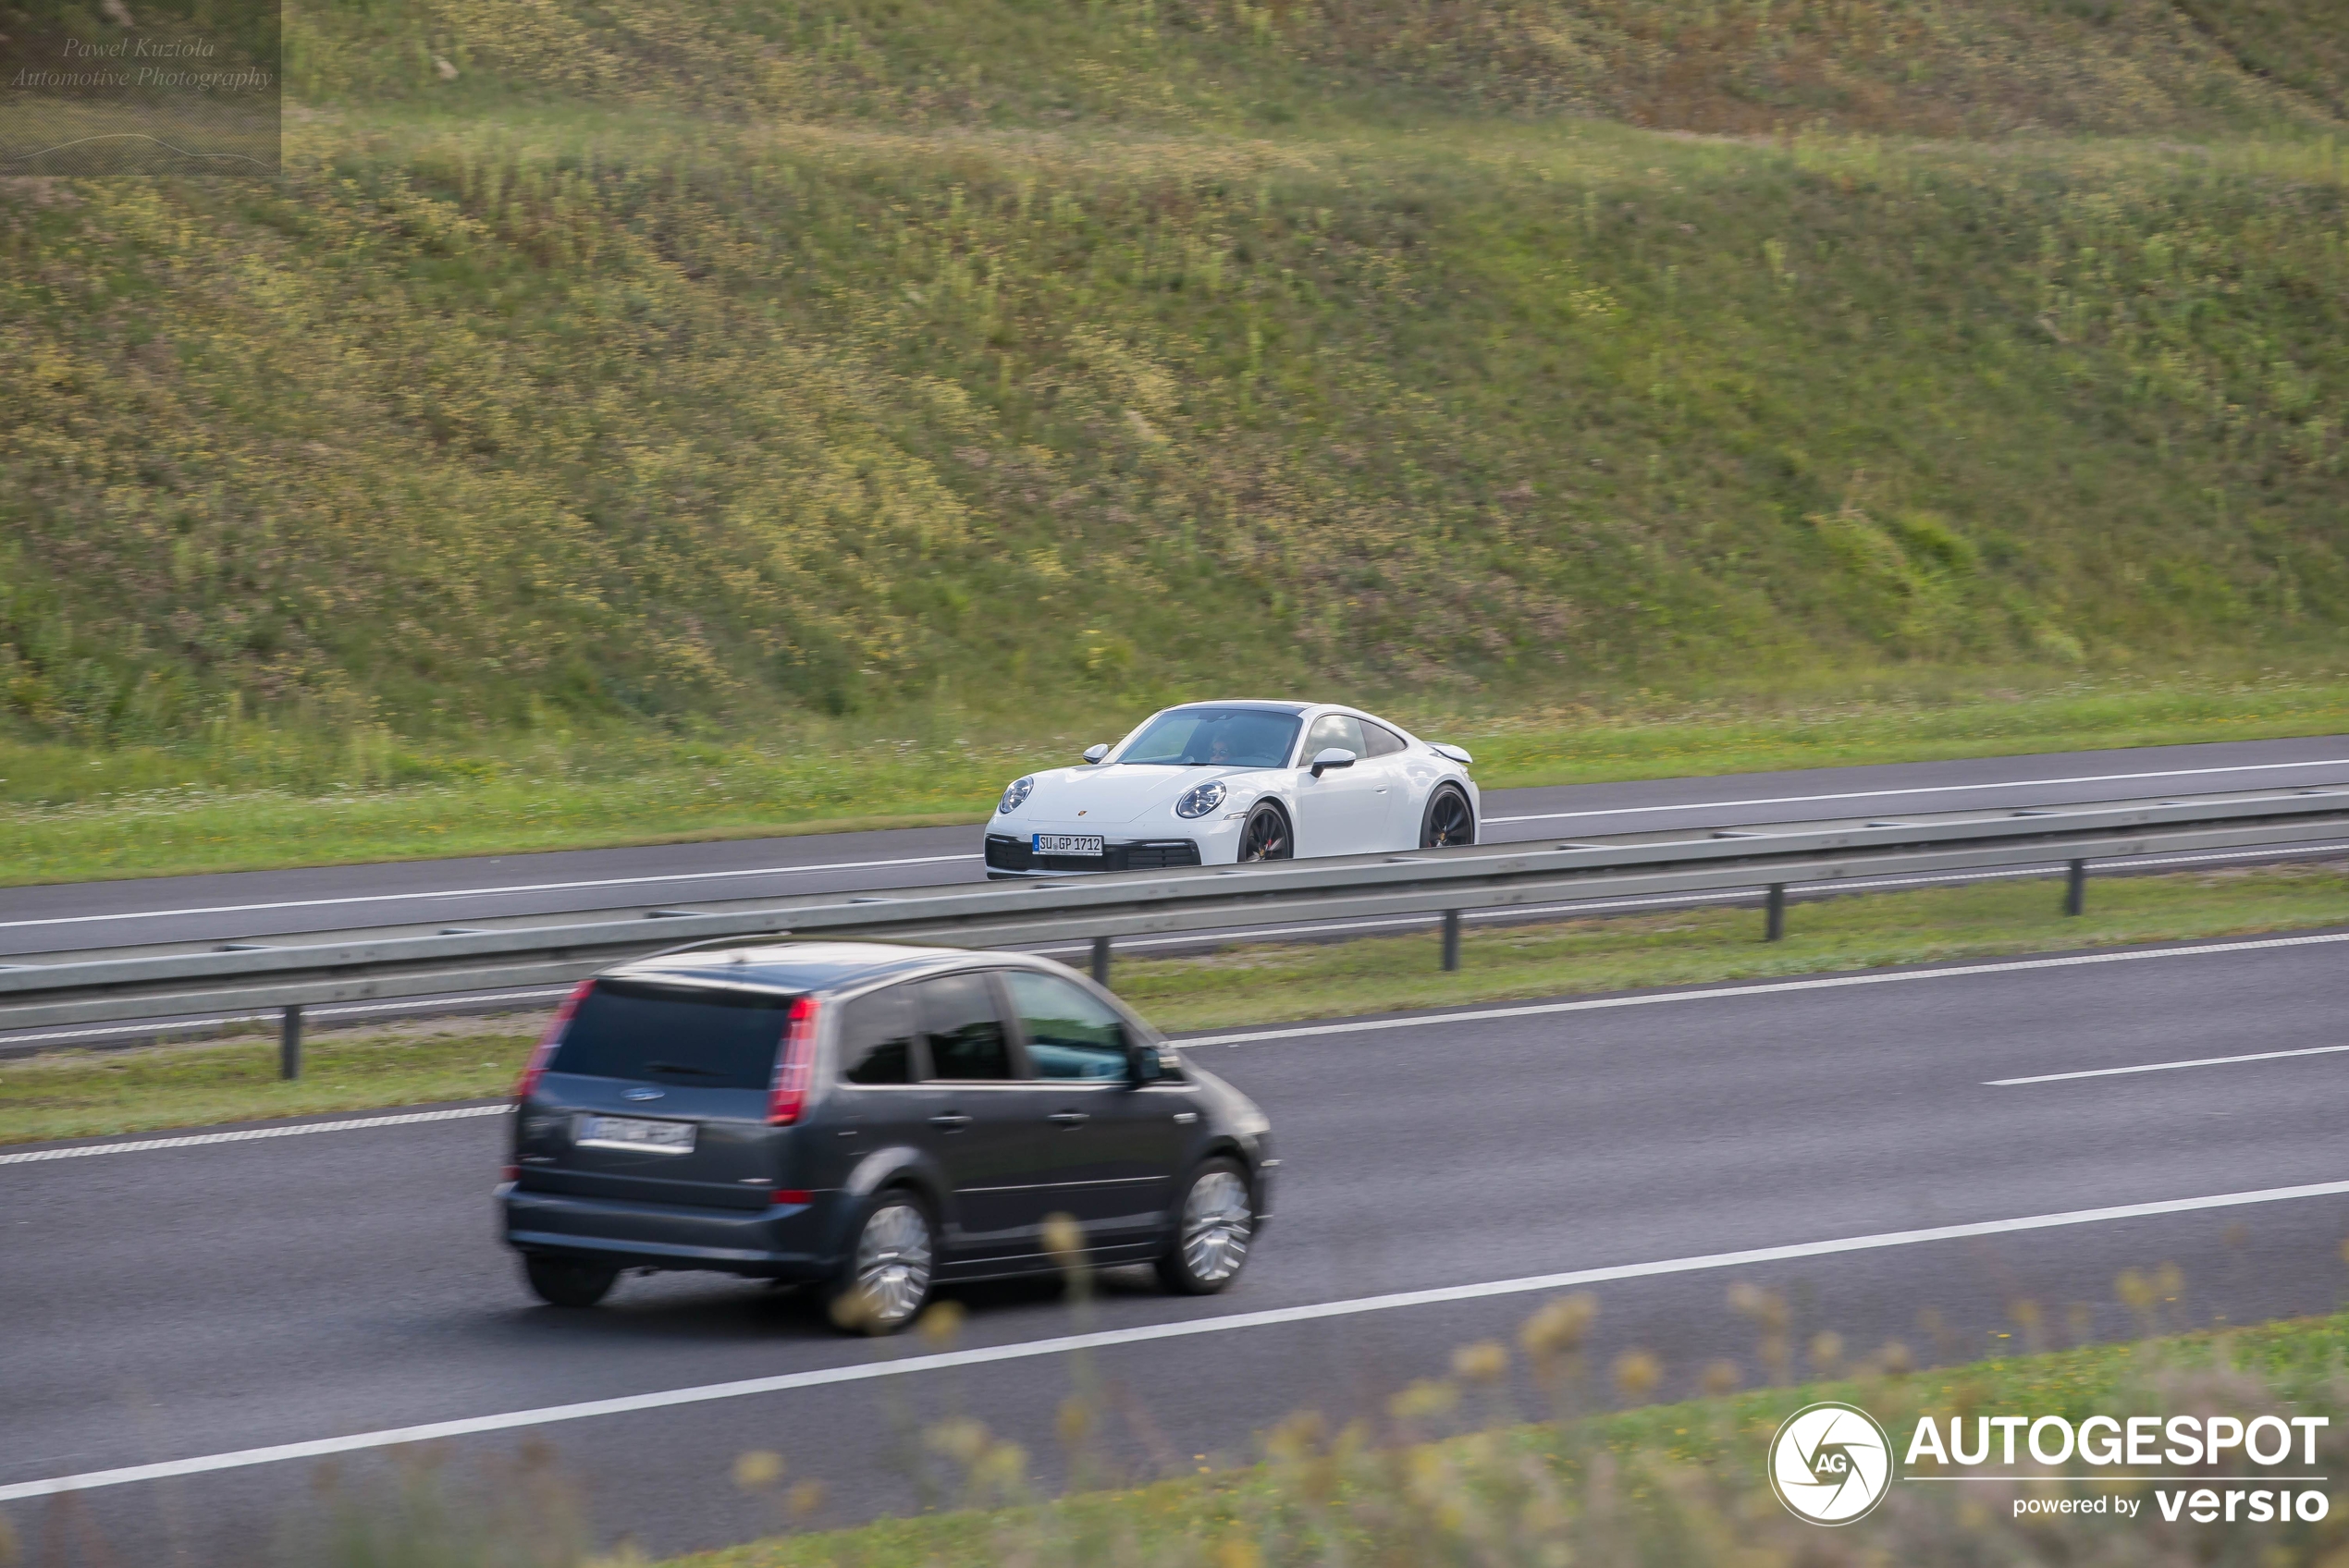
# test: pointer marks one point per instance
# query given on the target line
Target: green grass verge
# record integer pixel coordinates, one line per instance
(77, 1094)
(1698, 1459)
(85, 1093)
(268, 800)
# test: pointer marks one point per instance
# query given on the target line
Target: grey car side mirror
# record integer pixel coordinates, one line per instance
(1142, 1065)
(1095, 754)
(1331, 756)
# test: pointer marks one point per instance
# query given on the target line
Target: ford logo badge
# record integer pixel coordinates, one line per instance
(640, 1094)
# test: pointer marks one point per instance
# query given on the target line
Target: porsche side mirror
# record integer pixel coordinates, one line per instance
(1331, 756)
(1095, 754)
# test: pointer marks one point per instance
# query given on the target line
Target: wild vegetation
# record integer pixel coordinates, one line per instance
(632, 369)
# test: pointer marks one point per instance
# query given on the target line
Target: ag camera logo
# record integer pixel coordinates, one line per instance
(1830, 1463)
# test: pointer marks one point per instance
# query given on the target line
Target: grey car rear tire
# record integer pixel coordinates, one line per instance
(1215, 1224)
(568, 1282)
(885, 1280)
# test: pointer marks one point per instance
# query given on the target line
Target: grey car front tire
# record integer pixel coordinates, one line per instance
(886, 1280)
(1214, 1227)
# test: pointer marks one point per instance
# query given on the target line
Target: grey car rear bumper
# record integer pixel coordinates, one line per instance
(785, 1242)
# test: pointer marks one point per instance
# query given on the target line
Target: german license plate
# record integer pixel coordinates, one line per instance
(636, 1134)
(1065, 844)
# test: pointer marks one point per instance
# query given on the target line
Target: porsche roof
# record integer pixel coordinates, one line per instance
(1245, 703)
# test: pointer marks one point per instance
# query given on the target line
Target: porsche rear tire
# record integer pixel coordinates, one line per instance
(1448, 820)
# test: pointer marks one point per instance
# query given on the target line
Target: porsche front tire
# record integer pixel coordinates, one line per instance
(1448, 820)
(1266, 836)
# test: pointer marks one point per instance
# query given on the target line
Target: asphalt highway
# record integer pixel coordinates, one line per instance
(167, 1305)
(268, 904)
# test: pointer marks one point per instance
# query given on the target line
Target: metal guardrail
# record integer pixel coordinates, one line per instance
(388, 962)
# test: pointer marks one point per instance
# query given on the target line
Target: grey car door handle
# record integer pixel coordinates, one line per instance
(1067, 1119)
(952, 1121)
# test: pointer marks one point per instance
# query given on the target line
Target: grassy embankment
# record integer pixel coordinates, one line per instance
(82, 1094)
(672, 396)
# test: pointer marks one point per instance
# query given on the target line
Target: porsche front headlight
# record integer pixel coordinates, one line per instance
(1016, 796)
(1201, 799)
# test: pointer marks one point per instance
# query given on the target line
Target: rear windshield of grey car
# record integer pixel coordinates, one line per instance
(1211, 737)
(682, 1035)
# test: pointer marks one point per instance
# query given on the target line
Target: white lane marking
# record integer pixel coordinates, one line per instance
(486, 892)
(247, 1134)
(2160, 1067)
(1927, 790)
(1828, 983)
(1108, 1339)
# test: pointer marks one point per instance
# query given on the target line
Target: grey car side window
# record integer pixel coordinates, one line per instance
(1384, 743)
(963, 1031)
(1071, 1033)
(879, 1038)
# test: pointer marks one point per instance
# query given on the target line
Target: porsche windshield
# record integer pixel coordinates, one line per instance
(1215, 738)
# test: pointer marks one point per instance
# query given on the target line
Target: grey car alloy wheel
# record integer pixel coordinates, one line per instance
(1217, 1222)
(888, 1279)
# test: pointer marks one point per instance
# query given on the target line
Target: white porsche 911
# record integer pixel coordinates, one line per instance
(1216, 783)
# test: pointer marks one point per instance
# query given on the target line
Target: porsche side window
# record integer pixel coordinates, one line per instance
(876, 1036)
(1334, 730)
(1383, 742)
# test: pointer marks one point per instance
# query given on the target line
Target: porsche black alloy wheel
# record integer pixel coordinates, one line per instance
(1448, 820)
(1266, 836)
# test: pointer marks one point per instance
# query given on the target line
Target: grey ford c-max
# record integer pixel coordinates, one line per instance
(876, 1120)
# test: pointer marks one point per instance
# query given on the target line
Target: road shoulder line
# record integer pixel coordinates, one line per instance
(247, 1134)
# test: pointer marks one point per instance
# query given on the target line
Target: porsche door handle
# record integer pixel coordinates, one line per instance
(952, 1121)
(1067, 1119)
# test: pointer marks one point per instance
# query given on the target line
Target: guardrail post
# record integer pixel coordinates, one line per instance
(1100, 960)
(1451, 939)
(2075, 887)
(290, 1043)
(1774, 914)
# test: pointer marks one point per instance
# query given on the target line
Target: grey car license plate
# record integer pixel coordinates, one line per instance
(1065, 844)
(635, 1134)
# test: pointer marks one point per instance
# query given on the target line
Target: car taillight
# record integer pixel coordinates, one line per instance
(545, 1051)
(790, 1194)
(787, 1098)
